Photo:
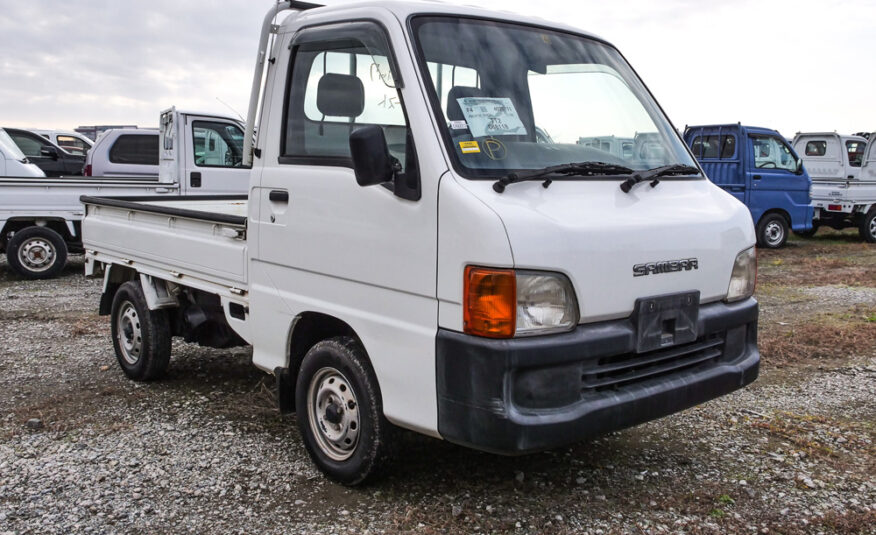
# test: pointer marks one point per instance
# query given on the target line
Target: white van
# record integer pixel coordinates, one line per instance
(12, 160)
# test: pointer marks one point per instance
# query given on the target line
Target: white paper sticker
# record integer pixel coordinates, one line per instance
(458, 125)
(491, 116)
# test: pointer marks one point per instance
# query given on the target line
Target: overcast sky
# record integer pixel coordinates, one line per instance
(786, 64)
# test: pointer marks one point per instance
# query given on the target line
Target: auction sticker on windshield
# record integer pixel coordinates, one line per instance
(469, 147)
(491, 116)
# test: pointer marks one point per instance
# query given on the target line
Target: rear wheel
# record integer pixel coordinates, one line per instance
(868, 226)
(772, 231)
(37, 253)
(141, 337)
(340, 413)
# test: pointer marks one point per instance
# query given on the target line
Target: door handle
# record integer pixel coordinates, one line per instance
(278, 196)
(195, 179)
(757, 177)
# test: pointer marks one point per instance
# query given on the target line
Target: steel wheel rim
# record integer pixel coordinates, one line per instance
(333, 413)
(129, 333)
(774, 233)
(37, 254)
(873, 227)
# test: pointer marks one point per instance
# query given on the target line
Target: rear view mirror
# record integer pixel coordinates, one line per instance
(371, 160)
(799, 166)
(49, 152)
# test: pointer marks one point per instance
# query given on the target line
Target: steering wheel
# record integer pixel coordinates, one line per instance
(767, 165)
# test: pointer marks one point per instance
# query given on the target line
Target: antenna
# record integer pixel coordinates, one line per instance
(232, 109)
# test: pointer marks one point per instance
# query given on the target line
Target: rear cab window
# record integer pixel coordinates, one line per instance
(816, 148)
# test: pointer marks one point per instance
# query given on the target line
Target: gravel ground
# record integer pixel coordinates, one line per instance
(83, 450)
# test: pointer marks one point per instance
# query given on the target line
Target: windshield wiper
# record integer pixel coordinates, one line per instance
(654, 174)
(569, 169)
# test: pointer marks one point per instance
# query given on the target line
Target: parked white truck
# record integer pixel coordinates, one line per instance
(417, 259)
(40, 219)
(843, 172)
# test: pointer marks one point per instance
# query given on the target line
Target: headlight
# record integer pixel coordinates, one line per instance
(545, 302)
(502, 303)
(744, 276)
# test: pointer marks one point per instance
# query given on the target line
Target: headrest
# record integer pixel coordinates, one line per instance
(454, 112)
(340, 95)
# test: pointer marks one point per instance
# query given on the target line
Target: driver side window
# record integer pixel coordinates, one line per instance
(770, 152)
(217, 144)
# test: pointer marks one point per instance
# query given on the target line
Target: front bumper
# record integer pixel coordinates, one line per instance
(527, 394)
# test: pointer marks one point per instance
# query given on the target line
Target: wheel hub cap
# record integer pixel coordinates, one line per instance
(36, 254)
(774, 233)
(334, 414)
(129, 334)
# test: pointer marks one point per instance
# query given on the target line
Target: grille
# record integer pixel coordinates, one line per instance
(617, 371)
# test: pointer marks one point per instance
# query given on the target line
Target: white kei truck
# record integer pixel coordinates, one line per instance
(843, 172)
(410, 255)
(41, 218)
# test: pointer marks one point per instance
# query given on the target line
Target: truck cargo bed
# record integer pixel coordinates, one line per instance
(197, 241)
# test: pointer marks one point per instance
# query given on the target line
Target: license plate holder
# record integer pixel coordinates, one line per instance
(666, 320)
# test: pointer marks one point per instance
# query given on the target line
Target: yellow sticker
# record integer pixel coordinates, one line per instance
(469, 147)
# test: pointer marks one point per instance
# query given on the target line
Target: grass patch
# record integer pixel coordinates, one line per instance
(824, 337)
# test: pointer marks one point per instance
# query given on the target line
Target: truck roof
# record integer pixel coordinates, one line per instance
(756, 129)
(402, 10)
(829, 134)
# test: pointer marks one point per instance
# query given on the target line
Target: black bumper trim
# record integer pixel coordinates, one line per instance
(482, 400)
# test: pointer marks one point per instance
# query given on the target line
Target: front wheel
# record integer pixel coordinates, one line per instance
(772, 231)
(37, 253)
(868, 226)
(340, 413)
(141, 337)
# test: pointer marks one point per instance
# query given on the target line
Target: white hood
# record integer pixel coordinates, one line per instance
(595, 234)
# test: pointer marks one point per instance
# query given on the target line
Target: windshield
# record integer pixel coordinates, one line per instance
(501, 87)
(9, 147)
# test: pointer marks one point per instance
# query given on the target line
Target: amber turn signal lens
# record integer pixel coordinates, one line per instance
(490, 302)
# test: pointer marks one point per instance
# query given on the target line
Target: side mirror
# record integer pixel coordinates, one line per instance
(799, 166)
(371, 160)
(49, 152)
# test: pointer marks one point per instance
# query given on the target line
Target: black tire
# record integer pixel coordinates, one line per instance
(807, 233)
(868, 226)
(37, 253)
(141, 337)
(772, 231)
(356, 445)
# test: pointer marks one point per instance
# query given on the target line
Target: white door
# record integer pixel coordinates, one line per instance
(214, 162)
(868, 169)
(327, 245)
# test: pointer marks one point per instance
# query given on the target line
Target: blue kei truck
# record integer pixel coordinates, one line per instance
(758, 167)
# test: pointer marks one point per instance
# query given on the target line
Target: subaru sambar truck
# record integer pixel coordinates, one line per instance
(409, 255)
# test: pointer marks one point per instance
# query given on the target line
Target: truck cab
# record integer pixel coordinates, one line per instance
(843, 181)
(760, 169)
(201, 152)
(831, 156)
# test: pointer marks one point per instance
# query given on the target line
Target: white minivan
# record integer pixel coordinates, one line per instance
(124, 152)
(12, 160)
